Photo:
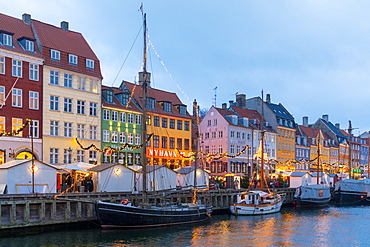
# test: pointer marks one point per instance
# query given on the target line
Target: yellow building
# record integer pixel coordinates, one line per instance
(170, 126)
(71, 95)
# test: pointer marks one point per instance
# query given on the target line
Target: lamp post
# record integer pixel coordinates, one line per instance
(32, 162)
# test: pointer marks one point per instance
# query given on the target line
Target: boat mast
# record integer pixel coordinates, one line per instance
(318, 161)
(144, 85)
(350, 149)
(196, 152)
(262, 175)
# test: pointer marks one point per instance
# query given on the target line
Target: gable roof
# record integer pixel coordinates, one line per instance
(159, 96)
(104, 166)
(116, 103)
(332, 127)
(19, 30)
(14, 163)
(280, 111)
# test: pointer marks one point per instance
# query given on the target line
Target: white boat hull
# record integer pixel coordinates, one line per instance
(246, 209)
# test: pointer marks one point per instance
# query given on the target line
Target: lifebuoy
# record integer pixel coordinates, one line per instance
(124, 201)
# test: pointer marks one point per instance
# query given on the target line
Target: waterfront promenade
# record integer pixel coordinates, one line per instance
(27, 210)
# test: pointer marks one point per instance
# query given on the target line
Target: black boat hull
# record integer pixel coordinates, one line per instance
(311, 202)
(351, 198)
(112, 215)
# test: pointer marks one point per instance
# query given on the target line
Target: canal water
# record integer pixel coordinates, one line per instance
(331, 226)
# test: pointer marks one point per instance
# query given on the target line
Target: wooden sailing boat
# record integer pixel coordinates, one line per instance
(313, 195)
(257, 202)
(128, 215)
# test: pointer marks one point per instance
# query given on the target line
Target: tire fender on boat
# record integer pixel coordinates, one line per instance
(124, 201)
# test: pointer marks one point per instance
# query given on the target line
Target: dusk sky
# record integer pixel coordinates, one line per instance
(311, 56)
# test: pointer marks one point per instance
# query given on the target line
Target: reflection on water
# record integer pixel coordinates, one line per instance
(331, 226)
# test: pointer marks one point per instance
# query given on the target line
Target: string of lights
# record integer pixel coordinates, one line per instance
(110, 149)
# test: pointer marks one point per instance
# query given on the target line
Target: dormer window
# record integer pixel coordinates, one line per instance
(167, 106)
(150, 103)
(7, 39)
(89, 64)
(55, 55)
(72, 59)
(29, 46)
(109, 96)
(182, 110)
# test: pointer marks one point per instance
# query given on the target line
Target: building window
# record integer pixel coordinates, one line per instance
(179, 143)
(2, 95)
(214, 122)
(172, 123)
(7, 39)
(89, 64)
(130, 117)
(67, 156)
(33, 100)
(167, 107)
(81, 131)
(172, 143)
(232, 133)
(67, 105)
(67, 129)
(68, 80)
(2, 65)
(17, 68)
(54, 128)
(109, 96)
(114, 116)
(54, 103)
(156, 121)
(138, 119)
(186, 144)
(72, 59)
(93, 132)
(122, 137)
(17, 97)
(54, 155)
(164, 142)
(80, 156)
(137, 139)
(29, 46)
(17, 125)
(81, 83)
(150, 103)
(130, 138)
(54, 77)
(55, 55)
(182, 110)
(220, 134)
(114, 136)
(106, 136)
(81, 107)
(93, 86)
(2, 123)
(164, 122)
(93, 109)
(232, 149)
(186, 125)
(34, 72)
(106, 114)
(156, 141)
(179, 124)
(93, 156)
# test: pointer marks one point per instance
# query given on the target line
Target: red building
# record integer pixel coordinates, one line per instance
(21, 67)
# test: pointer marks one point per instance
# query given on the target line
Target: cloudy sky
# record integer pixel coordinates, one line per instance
(311, 56)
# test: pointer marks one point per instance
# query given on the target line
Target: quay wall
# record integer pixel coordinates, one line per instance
(28, 210)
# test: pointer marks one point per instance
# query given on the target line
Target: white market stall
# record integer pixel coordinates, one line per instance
(159, 177)
(109, 177)
(185, 177)
(16, 175)
(297, 179)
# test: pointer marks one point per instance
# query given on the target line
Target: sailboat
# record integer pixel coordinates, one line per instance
(313, 195)
(258, 202)
(144, 214)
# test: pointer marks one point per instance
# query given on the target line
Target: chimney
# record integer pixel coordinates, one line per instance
(305, 121)
(241, 101)
(64, 25)
(195, 108)
(337, 125)
(224, 106)
(268, 98)
(26, 18)
(325, 117)
(231, 103)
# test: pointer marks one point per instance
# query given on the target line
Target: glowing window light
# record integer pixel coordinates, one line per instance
(34, 169)
(117, 171)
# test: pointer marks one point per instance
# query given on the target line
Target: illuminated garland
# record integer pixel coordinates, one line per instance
(215, 156)
(110, 149)
(14, 133)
